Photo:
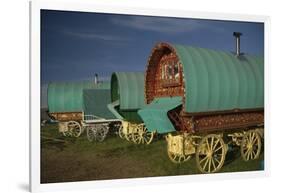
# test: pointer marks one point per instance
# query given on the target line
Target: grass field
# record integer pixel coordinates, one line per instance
(77, 159)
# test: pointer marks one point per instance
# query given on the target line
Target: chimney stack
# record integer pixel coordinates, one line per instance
(237, 40)
(96, 79)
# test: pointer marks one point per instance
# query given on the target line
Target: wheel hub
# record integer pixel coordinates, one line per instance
(209, 154)
(250, 146)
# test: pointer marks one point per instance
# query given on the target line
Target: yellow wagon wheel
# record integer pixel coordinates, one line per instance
(142, 135)
(250, 145)
(121, 132)
(74, 128)
(176, 150)
(210, 154)
(66, 133)
(178, 158)
(129, 136)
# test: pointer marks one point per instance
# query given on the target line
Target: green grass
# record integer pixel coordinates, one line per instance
(76, 159)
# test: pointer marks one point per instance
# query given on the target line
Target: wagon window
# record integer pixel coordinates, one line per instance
(176, 71)
(163, 71)
(170, 71)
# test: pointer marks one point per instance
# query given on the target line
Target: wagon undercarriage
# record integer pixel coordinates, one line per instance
(136, 133)
(205, 137)
(210, 149)
(96, 128)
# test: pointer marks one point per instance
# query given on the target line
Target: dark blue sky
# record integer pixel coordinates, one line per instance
(76, 45)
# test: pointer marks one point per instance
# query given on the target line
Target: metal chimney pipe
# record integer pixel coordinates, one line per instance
(96, 78)
(237, 40)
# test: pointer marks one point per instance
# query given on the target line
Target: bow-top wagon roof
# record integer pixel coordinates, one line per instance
(128, 89)
(68, 96)
(217, 80)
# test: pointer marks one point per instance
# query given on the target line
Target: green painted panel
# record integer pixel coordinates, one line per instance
(155, 116)
(131, 116)
(68, 96)
(217, 80)
(95, 103)
(128, 115)
(113, 109)
(128, 88)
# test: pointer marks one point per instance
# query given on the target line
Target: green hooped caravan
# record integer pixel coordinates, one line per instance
(203, 101)
(80, 105)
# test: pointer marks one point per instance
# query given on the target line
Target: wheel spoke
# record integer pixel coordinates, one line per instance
(145, 139)
(209, 167)
(253, 137)
(205, 164)
(212, 142)
(255, 154)
(213, 163)
(248, 150)
(216, 143)
(251, 154)
(218, 149)
(208, 144)
(216, 160)
(206, 157)
(249, 138)
(254, 141)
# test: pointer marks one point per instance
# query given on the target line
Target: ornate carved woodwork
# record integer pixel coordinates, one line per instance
(164, 75)
(67, 116)
(221, 121)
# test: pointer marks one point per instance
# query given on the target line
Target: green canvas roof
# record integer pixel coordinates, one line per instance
(155, 114)
(68, 96)
(95, 103)
(128, 89)
(218, 80)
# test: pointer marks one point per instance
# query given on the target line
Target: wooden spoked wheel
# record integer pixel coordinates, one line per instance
(176, 149)
(121, 132)
(178, 158)
(66, 133)
(124, 132)
(90, 134)
(129, 136)
(74, 128)
(210, 154)
(101, 131)
(97, 132)
(250, 145)
(142, 135)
